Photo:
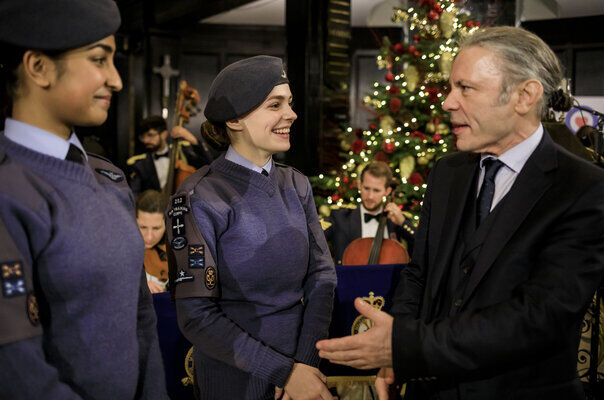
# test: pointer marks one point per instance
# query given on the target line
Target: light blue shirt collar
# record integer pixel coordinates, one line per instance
(517, 156)
(39, 140)
(237, 158)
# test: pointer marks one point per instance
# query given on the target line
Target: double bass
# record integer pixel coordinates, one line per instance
(178, 169)
(376, 250)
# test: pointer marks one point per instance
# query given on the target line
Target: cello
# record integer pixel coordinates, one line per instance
(179, 170)
(376, 250)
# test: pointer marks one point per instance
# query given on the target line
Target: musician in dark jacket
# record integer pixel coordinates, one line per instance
(349, 223)
(150, 170)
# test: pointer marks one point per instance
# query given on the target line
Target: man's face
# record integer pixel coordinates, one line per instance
(372, 191)
(481, 124)
(154, 140)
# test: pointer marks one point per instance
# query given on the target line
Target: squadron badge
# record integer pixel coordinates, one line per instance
(210, 279)
(33, 313)
(362, 323)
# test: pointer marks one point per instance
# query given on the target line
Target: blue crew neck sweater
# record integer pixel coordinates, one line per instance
(276, 279)
(86, 253)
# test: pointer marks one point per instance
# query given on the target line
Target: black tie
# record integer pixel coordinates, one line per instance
(368, 217)
(487, 190)
(264, 172)
(74, 154)
(158, 156)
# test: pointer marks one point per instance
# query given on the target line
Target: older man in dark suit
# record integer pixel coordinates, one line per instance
(509, 250)
(344, 225)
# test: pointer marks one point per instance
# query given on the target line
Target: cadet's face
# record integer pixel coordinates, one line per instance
(152, 227)
(266, 128)
(373, 190)
(82, 85)
(480, 123)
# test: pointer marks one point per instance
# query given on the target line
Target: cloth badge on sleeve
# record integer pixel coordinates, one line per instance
(196, 256)
(11, 270)
(183, 277)
(13, 282)
(110, 174)
(178, 226)
(178, 207)
(179, 243)
(210, 278)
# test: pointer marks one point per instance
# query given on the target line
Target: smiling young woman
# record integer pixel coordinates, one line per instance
(77, 317)
(250, 268)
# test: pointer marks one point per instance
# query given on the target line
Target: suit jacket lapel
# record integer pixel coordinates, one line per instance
(530, 185)
(354, 230)
(152, 171)
(460, 184)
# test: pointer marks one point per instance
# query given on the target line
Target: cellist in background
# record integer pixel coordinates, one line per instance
(347, 224)
(150, 170)
(150, 207)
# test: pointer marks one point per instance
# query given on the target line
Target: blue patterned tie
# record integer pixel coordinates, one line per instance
(487, 190)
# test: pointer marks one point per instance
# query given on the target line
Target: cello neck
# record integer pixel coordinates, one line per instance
(376, 247)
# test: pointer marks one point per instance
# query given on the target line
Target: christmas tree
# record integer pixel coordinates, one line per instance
(410, 131)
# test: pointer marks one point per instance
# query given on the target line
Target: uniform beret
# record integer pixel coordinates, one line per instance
(243, 86)
(57, 24)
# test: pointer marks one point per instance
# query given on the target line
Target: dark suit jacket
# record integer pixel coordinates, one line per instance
(516, 333)
(346, 227)
(143, 176)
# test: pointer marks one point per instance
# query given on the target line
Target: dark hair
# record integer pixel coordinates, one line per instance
(150, 201)
(379, 169)
(153, 122)
(10, 59)
(216, 134)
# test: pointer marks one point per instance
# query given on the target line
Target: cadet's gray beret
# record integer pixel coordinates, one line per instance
(242, 86)
(57, 24)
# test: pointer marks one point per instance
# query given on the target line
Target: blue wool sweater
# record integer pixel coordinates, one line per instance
(81, 240)
(276, 282)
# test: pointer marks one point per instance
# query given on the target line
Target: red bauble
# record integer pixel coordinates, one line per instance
(438, 8)
(388, 147)
(389, 77)
(345, 179)
(335, 197)
(380, 156)
(416, 53)
(395, 104)
(416, 38)
(470, 24)
(357, 146)
(418, 134)
(393, 90)
(399, 48)
(436, 138)
(372, 127)
(416, 179)
(432, 15)
(433, 94)
(411, 49)
(351, 185)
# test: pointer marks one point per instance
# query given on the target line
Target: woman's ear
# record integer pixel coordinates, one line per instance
(39, 68)
(234, 125)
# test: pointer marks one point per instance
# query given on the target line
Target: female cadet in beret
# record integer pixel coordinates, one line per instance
(77, 318)
(252, 274)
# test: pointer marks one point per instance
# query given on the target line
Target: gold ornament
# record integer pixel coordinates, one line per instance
(381, 63)
(345, 145)
(366, 100)
(422, 161)
(443, 129)
(447, 21)
(387, 123)
(430, 128)
(411, 77)
(445, 62)
(406, 166)
(324, 210)
(430, 156)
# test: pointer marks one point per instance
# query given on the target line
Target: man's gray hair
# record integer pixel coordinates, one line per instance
(523, 56)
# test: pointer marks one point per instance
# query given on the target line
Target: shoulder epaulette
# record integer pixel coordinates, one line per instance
(136, 158)
(348, 206)
(324, 224)
(185, 143)
(99, 157)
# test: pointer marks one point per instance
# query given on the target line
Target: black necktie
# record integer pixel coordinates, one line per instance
(368, 217)
(158, 156)
(264, 172)
(74, 154)
(487, 190)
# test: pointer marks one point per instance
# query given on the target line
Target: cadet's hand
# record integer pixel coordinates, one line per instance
(385, 378)
(306, 383)
(367, 350)
(178, 132)
(155, 287)
(394, 214)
